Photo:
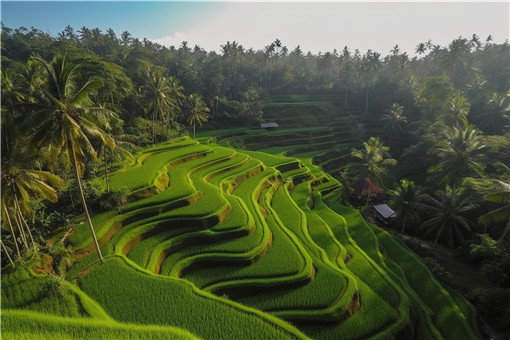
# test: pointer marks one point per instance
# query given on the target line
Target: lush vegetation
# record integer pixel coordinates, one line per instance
(115, 223)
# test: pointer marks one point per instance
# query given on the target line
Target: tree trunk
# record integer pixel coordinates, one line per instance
(7, 253)
(24, 223)
(404, 225)
(194, 123)
(366, 102)
(438, 235)
(345, 98)
(153, 127)
(20, 228)
(505, 231)
(12, 231)
(78, 182)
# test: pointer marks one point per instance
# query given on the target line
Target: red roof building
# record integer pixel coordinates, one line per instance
(366, 187)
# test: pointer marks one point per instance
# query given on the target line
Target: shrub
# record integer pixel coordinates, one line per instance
(486, 250)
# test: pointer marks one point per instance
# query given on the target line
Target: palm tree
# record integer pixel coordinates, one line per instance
(326, 66)
(158, 97)
(67, 119)
(421, 48)
(456, 61)
(497, 117)
(445, 215)
(20, 183)
(457, 110)
(460, 153)
(407, 199)
(11, 94)
(475, 42)
(198, 111)
(395, 119)
(367, 70)
(373, 159)
(501, 214)
(122, 141)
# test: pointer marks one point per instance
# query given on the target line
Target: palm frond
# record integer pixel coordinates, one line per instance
(496, 216)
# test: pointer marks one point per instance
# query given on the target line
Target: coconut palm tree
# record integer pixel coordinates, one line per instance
(367, 71)
(496, 119)
(123, 143)
(11, 93)
(159, 97)
(407, 199)
(421, 48)
(67, 118)
(373, 159)
(456, 61)
(444, 211)
(460, 155)
(501, 214)
(395, 120)
(456, 113)
(198, 111)
(20, 183)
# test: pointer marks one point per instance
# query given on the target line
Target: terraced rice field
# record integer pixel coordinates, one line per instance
(220, 242)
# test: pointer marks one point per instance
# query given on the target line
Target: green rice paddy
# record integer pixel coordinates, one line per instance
(240, 236)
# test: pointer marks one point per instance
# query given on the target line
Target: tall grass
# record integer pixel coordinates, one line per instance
(134, 296)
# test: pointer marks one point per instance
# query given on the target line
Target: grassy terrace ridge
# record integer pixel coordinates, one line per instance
(225, 242)
(39, 326)
(169, 301)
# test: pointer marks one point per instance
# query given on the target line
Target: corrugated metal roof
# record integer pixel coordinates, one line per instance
(384, 210)
(269, 125)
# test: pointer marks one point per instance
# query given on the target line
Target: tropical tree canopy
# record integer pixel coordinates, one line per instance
(373, 159)
(395, 120)
(445, 212)
(407, 199)
(460, 155)
(198, 111)
(501, 214)
(68, 117)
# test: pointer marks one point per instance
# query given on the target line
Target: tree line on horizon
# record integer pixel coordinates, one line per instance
(121, 93)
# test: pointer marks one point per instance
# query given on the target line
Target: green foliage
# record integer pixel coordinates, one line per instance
(460, 154)
(406, 198)
(445, 215)
(18, 324)
(373, 159)
(487, 249)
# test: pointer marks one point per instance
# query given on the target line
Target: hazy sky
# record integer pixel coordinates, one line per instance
(314, 26)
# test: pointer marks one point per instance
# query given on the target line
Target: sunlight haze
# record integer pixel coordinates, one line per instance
(315, 27)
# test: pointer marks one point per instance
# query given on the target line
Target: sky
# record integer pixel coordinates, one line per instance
(314, 26)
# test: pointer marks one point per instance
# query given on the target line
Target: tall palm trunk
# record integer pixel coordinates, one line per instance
(505, 232)
(24, 222)
(403, 225)
(438, 234)
(78, 182)
(345, 98)
(153, 127)
(12, 231)
(7, 253)
(194, 123)
(366, 101)
(20, 228)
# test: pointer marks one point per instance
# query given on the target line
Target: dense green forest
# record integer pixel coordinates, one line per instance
(80, 112)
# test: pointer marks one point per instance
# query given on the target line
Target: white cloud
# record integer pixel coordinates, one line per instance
(326, 26)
